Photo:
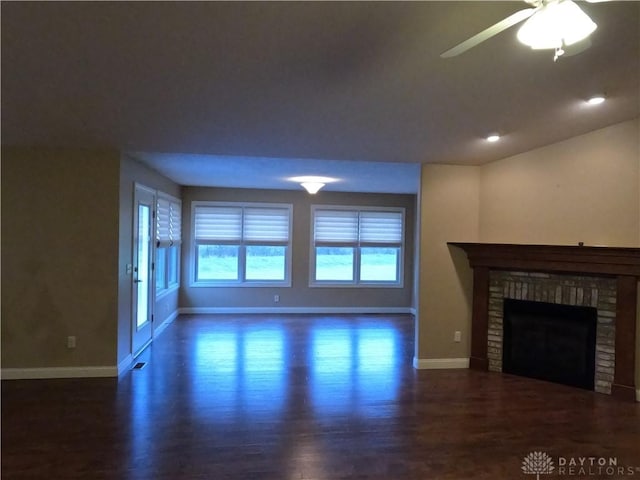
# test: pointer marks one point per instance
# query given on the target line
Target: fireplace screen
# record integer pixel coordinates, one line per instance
(550, 342)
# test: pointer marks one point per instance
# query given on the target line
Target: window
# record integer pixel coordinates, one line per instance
(168, 239)
(241, 244)
(362, 246)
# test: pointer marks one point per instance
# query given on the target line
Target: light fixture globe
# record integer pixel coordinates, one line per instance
(312, 187)
(557, 24)
(312, 184)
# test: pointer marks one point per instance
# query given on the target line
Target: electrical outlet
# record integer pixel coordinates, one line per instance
(71, 341)
(276, 298)
(457, 336)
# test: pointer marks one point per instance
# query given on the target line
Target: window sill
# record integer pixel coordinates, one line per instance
(240, 284)
(354, 285)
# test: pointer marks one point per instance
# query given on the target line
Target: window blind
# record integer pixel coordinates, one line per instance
(352, 226)
(380, 227)
(336, 226)
(175, 227)
(163, 208)
(168, 222)
(266, 224)
(218, 223)
(235, 224)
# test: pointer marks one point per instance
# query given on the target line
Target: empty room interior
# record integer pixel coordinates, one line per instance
(320, 240)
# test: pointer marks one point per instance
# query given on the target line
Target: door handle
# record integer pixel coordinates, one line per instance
(137, 281)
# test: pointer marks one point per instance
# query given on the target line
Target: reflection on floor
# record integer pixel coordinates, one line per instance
(301, 397)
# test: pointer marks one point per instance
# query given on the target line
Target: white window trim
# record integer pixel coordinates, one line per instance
(240, 283)
(355, 283)
(163, 292)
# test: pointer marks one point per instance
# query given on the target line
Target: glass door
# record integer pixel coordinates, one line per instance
(142, 291)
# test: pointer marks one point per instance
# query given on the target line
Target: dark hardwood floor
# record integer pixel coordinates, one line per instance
(304, 397)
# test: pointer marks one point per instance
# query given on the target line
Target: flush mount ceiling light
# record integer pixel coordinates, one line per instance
(596, 100)
(312, 187)
(312, 184)
(558, 23)
(494, 137)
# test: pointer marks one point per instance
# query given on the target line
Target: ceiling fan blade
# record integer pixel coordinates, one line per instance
(511, 20)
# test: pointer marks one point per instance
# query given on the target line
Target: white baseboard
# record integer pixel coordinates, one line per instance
(124, 365)
(58, 372)
(298, 310)
(161, 328)
(439, 363)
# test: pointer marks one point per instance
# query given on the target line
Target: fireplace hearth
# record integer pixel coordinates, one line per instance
(550, 342)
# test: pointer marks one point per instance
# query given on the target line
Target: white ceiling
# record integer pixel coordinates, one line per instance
(244, 94)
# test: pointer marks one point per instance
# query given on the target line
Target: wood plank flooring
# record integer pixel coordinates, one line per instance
(303, 397)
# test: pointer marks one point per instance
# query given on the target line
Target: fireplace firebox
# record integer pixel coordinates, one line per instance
(550, 342)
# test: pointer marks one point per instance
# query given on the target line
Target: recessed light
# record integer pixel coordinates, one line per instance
(596, 100)
(494, 137)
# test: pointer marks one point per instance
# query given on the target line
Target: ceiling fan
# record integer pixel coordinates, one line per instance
(550, 24)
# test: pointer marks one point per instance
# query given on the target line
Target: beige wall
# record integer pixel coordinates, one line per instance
(449, 211)
(584, 189)
(59, 245)
(299, 294)
(131, 172)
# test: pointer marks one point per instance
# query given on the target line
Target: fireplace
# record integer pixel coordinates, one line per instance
(603, 278)
(561, 293)
(550, 342)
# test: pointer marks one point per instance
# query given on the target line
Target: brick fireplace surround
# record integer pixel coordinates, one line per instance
(602, 277)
